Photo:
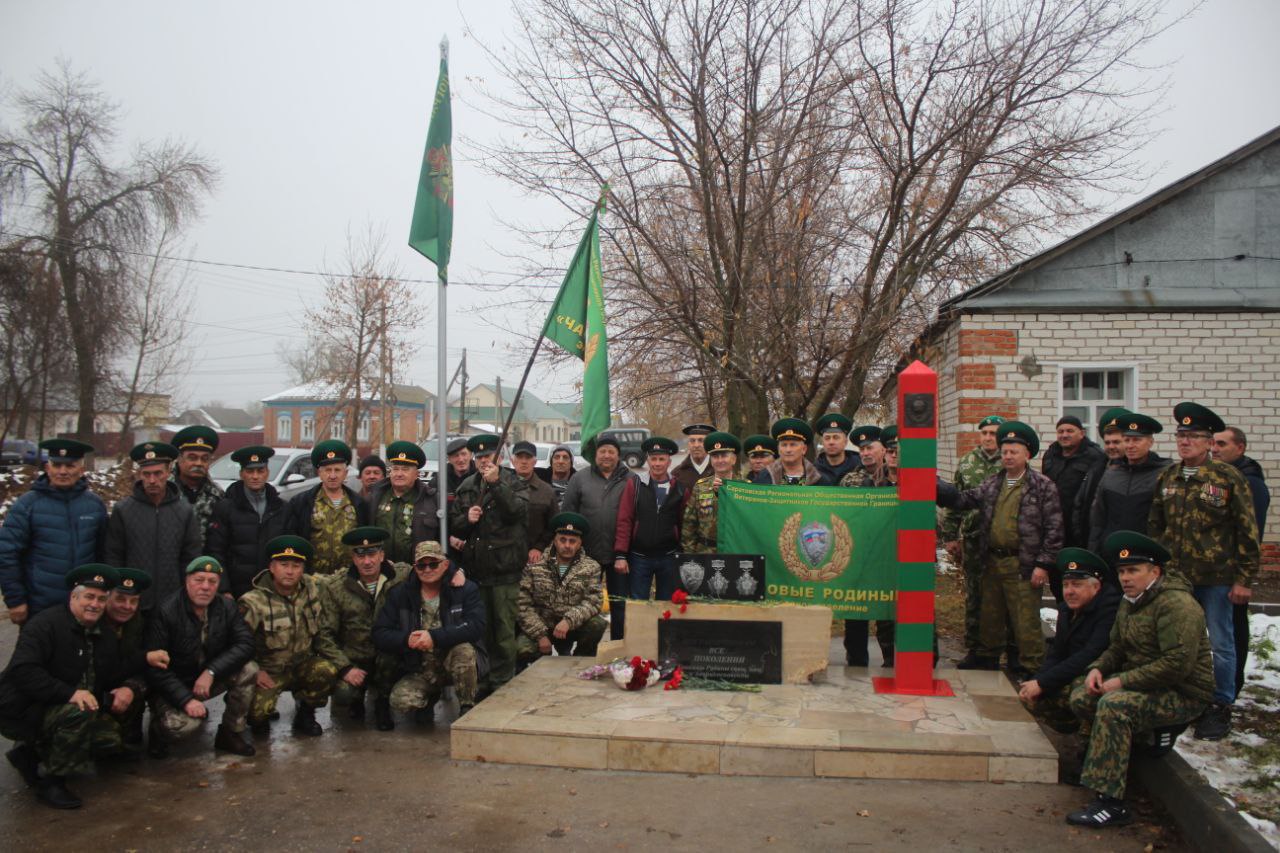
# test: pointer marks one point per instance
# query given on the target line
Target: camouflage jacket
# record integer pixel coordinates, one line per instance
(286, 630)
(346, 621)
(698, 531)
(868, 478)
(546, 598)
(1207, 523)
(974, 467)
(1160, 643)
(202, 501)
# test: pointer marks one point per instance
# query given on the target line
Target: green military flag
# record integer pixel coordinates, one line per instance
(821, 545)
(431, 232)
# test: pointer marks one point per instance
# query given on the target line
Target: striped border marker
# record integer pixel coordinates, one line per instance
(917, 539)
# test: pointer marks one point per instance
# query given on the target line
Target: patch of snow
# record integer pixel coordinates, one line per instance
(1049, 616)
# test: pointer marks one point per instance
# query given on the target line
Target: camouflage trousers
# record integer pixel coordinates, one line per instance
(972, 570)
(175, 725)
(1054, 710)
(421, 689)
(1118, 716)
(579, 643)
(310, 680)
(380, 677)
(70, 739)
(1008, 599)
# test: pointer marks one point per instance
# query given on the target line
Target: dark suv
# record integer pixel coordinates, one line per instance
(629, 440)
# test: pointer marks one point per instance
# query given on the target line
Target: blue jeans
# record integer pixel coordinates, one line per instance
(1220, 616)
(644, 570)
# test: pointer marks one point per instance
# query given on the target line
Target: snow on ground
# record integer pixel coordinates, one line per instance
(1244, 767)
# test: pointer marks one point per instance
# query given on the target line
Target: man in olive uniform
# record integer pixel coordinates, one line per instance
(1202, 512)
(794, 437)
(490, 511)
(1156, 674)
(285, 614)
(834, 460)
(701, 511)
(559, 606)
(403, 504)
(541, 498)
(324, 514)
(124, 617)
(196, 446)
(761, 451)
(695, 463)
(250, 516)
(352, 600)
(65, 688)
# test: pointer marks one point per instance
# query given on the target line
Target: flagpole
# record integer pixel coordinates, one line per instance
(442, 397)
(506, 428)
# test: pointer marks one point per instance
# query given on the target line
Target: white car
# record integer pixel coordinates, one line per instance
(290, 471)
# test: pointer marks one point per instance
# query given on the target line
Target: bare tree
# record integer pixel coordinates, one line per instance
(83, 210)
(32, 361)
(796, 184)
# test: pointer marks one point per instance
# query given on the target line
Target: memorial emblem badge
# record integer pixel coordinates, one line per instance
(815, 552)
(692, 574)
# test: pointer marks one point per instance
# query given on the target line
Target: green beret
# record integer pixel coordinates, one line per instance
(1016, 432)
(406, 453)
(990, 420)
(197, 437)
(1079, 563)
(889, 435)
(290, 548)
(699, 429)
(658, 444)
(760, 444)
(153, 453)
(328, 452)
(483, 444)
(255, 456)
(97, 575)
(721, 441)
(571, 523)
(1126, 546)
(834, 422)
(866, 434)
(792, 428)
(1110, 419)
(132, 581)
(65, 448)
(204, 564)
(1195, 417)
(364, 537)
(1132, 423)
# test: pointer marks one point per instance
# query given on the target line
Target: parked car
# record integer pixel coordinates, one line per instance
(290, 471)
(629, 440)
(18, 451)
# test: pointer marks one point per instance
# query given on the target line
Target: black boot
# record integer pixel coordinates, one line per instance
(234, 742)
(1214, 723)
(1104, 811)
(426, 716)
(157, 747)
(24, 759)
(969, 661)
(382, 714)
(53, 791)
(132, 734)
(1163, 738)
(304, 721)
(979, 662)
(356, 711)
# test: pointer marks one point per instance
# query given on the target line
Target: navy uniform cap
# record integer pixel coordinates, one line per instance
(1195, 417)
(571, 523)
(65, 448)
(1127, 546)
(699, 429)
(97, 575)
(1079, 563)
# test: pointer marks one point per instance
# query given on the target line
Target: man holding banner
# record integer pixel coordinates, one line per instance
(698, 533)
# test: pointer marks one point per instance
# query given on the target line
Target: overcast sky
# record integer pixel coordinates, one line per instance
(317, 113)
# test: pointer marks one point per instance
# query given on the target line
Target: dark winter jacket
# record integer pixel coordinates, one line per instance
(497, 545)
(1068, 474)
(173, 626)
(833, 474)
(645, 526)
(159, 540)
(686, 473)
(462, 620)
(1081, 637)
(1124, 499)
(1082, 507)
(238, 537)
(597, 499)
(543, 506)
(47, 665)
(302, 506)
(1039, 517)
(1257, 481)
(47, 533)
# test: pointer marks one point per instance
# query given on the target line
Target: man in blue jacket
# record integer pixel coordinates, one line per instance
(58, 525)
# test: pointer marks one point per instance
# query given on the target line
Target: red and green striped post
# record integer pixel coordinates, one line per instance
(917, 539)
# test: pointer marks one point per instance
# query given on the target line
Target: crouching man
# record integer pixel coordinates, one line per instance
(436, 631)
(210, 652)
(1156, 674)
(559, 603)
(1084, 629)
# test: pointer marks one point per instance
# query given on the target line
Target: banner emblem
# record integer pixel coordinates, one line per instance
(826, 550)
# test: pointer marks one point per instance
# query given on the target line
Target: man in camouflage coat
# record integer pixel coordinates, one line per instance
(559, 604)
(1156, 674)
(698, 531)
(196, 446)
(284, 612)
(1202, 512)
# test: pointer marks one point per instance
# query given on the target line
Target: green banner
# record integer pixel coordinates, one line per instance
(431, 231)
(821, 544)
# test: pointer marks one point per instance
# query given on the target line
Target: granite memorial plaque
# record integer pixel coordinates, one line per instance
(728, 650)
(733, 577)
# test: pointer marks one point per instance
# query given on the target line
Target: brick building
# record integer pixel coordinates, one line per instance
(1174, 298)
(306, 414)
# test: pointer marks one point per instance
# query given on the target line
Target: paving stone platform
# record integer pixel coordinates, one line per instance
(835, 727)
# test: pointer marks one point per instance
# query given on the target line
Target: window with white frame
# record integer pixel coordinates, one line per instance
(307, 427)
(338, 427)
(362, 432)
(1088, 391)
(284, 427)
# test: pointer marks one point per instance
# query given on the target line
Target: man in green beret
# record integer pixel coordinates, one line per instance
(285, 614)
(1019, 536)
(351, 602)
(1202, 512)
(403, 504)
(211, 652)
(322, 515)
(1156, 673)
(794, 437)
(761, 451)
(124, 617)
(702, 509)
(559, 605)
(648, 531)
(153, 529)
(959, 530)
(1125, 490)
(251, 514)
(695, 464)
(834, 460)
(65, 689)
(196, 445)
